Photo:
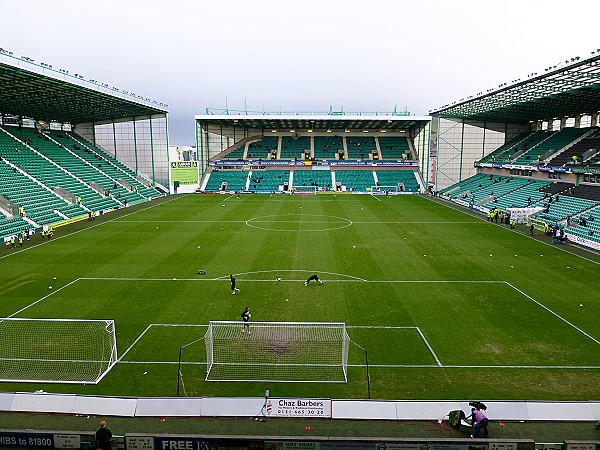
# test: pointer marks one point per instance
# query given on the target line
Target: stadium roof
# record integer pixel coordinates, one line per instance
(304, 121)
(42, 93)
(565, 90)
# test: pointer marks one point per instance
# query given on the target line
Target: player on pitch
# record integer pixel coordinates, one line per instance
(246, 318)
(313, 277)
(233, 288)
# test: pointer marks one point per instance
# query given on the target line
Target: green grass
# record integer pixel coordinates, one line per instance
(445, 319)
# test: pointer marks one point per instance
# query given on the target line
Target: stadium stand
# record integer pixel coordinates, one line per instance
(393, 177)
(468, 184)
(319, 178)
(262, 149)
(110, 166)
(555, 143)
(89, 172)
(565, 207)
(38, 203)
(591, 229)
(523, 146)
(269, 180)
(235, 180)
(12, 226)
(590, 143)
(526, 193)
(393, 147)
(294, 148)
(556, 187)
(585, 191)
(359, 147)
(356, 180)
(507, 148)
(326, 147)
(42, 169)
(237, 154)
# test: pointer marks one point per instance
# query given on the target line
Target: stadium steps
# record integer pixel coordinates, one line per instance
(524, 146)
(499, 153)
(327, 147)
(393, 177)
(126, 173)
(9, 227)
(503, 188)
(105, 174)
(262, 149)
(50, 173)
(80, 168)
(464, 185)
(236, 180)
(294, 148)
(269, 180)
(566, 153)
(554, 143)
(359, 147)
(565, 207)
(591, 141)
(237, 150)
(592, 229)
(395, 148)
(309, 177)
(356, 180)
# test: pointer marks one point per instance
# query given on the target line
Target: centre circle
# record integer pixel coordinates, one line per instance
(325, 224)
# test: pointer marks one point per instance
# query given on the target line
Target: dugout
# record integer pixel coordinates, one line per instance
(127, 126)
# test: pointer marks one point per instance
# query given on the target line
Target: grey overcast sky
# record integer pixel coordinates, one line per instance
(300, 55)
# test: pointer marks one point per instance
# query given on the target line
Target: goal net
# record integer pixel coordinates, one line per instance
(395, 188)
(56, 350)
(303, 190)
(277, 351)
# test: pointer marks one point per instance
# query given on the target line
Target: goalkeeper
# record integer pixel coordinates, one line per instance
(313, 277)
(246, 318)
(233, 288)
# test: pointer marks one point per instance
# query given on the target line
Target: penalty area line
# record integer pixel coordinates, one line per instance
(554, 314)
(397, 366)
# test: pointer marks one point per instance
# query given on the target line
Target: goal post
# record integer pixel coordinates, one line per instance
(395, 188)
(303, 190)
(277, 351)
(56, 350)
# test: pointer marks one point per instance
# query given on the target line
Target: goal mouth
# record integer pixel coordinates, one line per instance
(288, 352)
(307, 190)
(381, 189)
(56, 350)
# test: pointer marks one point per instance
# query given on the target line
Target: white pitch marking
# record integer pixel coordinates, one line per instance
(93, 226)
(45, 297)
(293, 270)
(553, 313)
(429, 346)
(354, 279)
(182, 221)
(450, 205)
(228, 197)
(394, 366)
(135, 342)
(375, 198)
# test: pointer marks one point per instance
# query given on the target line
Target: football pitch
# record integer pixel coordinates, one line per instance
(447, 305)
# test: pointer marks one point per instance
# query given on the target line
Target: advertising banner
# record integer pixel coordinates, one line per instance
(298, 407)
(291, 445)
(314, 163)
(185, 172)
(26, 440)
(180, 443)
(583, 241)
